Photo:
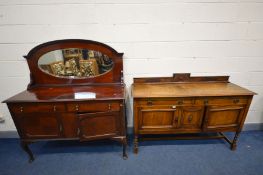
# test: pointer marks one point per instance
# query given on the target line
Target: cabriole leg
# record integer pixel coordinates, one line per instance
(25, 147)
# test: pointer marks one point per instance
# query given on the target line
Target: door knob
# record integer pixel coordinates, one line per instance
(190, 118)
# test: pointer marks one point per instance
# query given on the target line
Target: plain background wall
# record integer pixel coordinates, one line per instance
(158, 37)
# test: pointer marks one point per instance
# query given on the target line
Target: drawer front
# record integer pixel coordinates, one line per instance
(93, 107)
(232, 100)
(36, 107)
(222, 101)
(168, 101)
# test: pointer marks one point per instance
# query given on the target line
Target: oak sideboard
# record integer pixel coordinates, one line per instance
(185, 107)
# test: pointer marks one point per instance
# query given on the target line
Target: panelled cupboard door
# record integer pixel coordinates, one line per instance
(98, 125)
(191, 117)
(223, 117)
(40, 125)
(158, 117)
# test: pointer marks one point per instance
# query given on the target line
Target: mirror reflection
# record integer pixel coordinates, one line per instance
(75, 63)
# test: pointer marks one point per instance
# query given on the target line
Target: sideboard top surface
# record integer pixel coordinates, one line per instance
(183, 85)
(56, 94)
(188, 90)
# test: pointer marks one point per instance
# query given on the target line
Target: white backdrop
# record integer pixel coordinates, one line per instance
(158, 38)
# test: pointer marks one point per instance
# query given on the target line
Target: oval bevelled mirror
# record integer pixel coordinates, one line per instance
(75, 63)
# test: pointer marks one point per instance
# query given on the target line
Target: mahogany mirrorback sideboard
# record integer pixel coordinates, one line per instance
(76, 93)
(185, 107)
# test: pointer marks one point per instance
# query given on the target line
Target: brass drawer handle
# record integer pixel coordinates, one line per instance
(180, 102)
(21, 109)
(54, 108)
(173, 107)
(190, 118)
(236, 101)
(149, 103)
(77, 107)
(109, 106)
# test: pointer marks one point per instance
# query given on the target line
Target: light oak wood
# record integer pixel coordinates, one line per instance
(188, 90)
(185, 104)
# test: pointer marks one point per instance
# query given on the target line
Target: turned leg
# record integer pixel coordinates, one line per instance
(135, 144)
(25, 147)
(124, 146)
(234, 142)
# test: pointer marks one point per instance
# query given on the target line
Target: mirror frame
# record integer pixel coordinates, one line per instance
(40, 78)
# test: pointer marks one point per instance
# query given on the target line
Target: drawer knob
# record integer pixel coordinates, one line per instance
(54, 108)
(109, 106)
(180, 102)
(149, 103)
(77, 107)
(60, 128)
(236, 101)
(21, 109)
(78, 131)
(173, 107)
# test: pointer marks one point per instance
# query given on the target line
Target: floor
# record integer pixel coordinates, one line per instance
(182, 157)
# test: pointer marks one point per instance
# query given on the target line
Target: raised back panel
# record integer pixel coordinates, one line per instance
(40, 78)
(182, 77)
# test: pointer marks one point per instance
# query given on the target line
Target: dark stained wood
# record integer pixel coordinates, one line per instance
(188, 105)
(49, 110)
(60, 94)
(38, 78)
(98, 125)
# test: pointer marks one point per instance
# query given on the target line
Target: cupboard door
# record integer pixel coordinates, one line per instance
(158, 117)
(191, 117)
(40, 125)
(223, 117)
(98, 125)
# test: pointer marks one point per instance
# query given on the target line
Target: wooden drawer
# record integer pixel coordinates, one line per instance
(222, 101)
(166, 101)
(193, 101)
(36, 107)
(93, 107)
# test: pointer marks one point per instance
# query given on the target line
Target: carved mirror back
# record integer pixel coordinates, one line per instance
(74, 61)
